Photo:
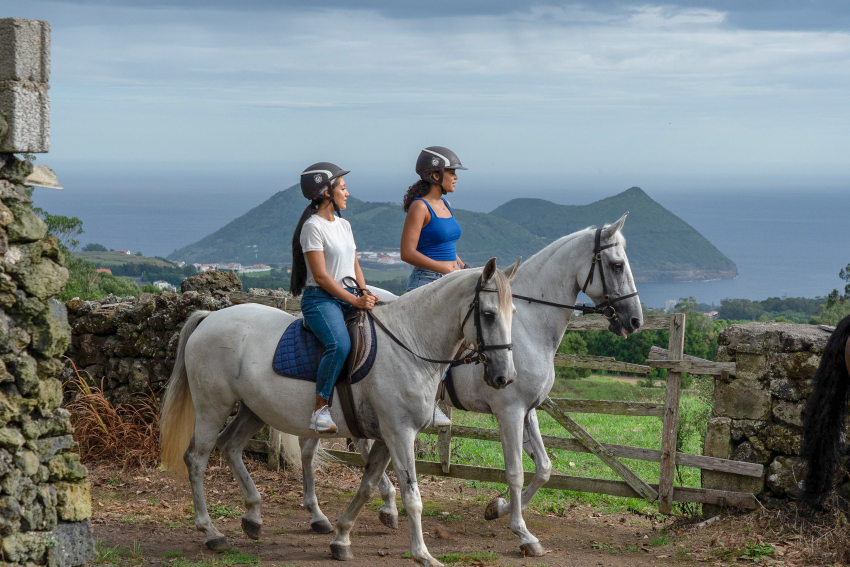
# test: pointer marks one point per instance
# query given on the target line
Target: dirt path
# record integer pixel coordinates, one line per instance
(149, 516)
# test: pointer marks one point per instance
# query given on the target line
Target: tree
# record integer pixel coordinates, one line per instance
(572, 343)
(139, 253)
(66, 229)
(844, 274)
(94, 247)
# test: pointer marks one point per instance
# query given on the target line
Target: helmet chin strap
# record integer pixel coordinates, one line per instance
(333, 201)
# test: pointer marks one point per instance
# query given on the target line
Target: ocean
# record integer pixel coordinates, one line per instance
(785, 243)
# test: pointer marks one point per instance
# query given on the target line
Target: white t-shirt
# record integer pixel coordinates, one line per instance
(336, 240)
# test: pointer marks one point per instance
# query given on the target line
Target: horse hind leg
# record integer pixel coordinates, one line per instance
(319, 523)
(388, 514)
(231, 442)
(197, 456)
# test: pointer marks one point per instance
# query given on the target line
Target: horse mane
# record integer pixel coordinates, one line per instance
(826, 412)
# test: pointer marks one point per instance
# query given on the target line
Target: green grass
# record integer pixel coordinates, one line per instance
(218, 511)
(229, 557)
(115, 258)
(473, 557)
(622, 430)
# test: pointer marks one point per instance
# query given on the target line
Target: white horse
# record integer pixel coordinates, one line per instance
(225, 357)
(555, 274)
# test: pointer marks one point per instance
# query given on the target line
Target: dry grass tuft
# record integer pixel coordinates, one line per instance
(126, 433)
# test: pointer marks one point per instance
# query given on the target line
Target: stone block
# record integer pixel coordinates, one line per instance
(25, 108)
(783, 439)
(790, 413)
(746, 428)
(74, 544)
(741, 399)
(74, 501)
(796, 365)
(49, 395)
(24, 547)
(213, 280)
(785, 475)
(751, 451)
(26, 226)
(790, 390)
(751, 366)
(24, 50)
(11, 438)
(718, 437)
(777, 337)
(53, 334)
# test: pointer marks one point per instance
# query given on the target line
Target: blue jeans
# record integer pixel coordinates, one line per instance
(419, 277)
(325, 316)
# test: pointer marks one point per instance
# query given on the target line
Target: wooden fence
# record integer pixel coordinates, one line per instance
(632, 486)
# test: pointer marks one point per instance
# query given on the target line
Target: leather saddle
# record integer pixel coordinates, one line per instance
(299, 351)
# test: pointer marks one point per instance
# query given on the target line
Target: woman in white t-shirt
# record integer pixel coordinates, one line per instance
(323, 253)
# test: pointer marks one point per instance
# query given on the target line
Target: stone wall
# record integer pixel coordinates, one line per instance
(757, 414)
(44, 497)
(131, 343)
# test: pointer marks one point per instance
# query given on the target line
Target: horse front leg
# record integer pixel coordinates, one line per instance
(231, 442)
(511, 430)
(318, 521)
(404, 464)
(532, 442)
(388, 514)
(379, 458)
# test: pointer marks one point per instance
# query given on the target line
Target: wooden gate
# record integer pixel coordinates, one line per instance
(631, 486)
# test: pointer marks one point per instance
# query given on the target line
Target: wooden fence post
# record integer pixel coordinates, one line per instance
(670, 430)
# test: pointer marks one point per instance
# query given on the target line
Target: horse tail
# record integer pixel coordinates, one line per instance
(177, 417)
(826, 412)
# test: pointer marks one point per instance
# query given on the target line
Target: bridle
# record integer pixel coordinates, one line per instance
(477, 356)
(606, 308)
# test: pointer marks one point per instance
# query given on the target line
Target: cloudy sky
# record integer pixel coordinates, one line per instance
(744, 93)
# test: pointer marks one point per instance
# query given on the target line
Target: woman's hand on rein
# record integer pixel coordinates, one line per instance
(365, 301)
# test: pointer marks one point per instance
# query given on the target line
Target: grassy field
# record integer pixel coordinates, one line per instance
(117, 258)
(622, 430)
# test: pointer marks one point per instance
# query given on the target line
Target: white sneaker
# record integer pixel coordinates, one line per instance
(440, 419)
(321, 421)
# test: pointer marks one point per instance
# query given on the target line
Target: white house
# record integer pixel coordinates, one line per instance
(164, 285)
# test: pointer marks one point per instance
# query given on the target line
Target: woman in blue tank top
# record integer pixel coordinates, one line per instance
(430, 229)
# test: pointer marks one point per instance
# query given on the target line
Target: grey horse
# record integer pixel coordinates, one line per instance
(555, 274)
(225, 357)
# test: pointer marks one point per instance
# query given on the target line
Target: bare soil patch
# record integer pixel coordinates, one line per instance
(148, 516)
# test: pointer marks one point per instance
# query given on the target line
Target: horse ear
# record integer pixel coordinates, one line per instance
(613, 229)
(489, 269)
(510, 272)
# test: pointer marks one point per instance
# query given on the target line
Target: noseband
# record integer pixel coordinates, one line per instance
(477, 356)
(606, 308)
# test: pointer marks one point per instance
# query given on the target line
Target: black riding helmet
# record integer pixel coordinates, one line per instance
(318, 177)
(436, 159)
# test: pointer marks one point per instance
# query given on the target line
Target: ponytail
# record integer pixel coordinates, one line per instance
(299, 263)
(418, 189)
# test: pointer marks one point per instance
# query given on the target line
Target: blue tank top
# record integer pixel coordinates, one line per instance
(438, 237)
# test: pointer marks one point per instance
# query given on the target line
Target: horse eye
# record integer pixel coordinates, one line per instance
(490, 315)
(618, 266)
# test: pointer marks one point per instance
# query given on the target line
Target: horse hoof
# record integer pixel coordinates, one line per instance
(532, 549)
(341, 552)
(251, 528)
(321, 527)
(389, 520)
(491, 512)
(218, 544)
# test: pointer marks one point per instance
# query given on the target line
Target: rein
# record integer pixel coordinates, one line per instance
(478, 356)
(606, 308)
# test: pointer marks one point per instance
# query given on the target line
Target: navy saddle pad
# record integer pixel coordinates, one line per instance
(299, 351)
